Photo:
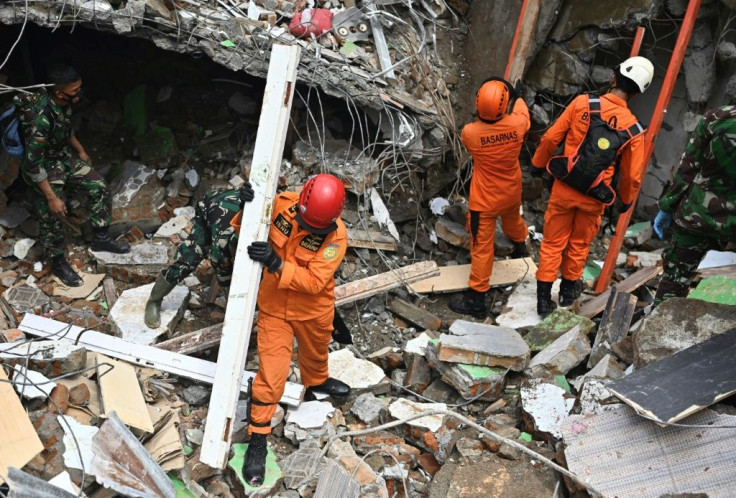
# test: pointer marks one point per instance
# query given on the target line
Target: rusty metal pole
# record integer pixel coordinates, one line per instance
(683, 38)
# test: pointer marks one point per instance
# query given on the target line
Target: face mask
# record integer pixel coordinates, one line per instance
(72, 98)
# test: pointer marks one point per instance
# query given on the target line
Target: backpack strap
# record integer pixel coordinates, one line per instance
(635, 129)
(594, 104)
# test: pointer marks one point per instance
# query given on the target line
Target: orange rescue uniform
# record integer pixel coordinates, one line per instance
(572, 219)
(297, 302)
(495, 189)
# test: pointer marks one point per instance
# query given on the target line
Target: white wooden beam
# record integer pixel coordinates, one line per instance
(138, 354)
(264, 175)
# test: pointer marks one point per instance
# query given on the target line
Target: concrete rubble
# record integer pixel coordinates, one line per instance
(379, 102)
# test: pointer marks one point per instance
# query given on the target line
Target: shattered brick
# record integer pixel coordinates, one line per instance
(59, 399)
(488, 345)
(561, 356)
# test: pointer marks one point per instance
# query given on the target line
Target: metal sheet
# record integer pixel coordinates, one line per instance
(624, 455)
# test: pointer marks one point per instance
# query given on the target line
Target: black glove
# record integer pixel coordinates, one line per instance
(264, 254)
(538, 172)
(246, 193)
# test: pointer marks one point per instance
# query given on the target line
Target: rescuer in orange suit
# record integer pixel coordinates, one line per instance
(573, 218)
(494, 141)
(307, 241)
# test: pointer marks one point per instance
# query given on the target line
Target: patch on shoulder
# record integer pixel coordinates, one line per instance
(330, 252)
(282, 225)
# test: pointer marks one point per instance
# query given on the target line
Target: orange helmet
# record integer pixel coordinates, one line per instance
(320, 204)
(492, 100)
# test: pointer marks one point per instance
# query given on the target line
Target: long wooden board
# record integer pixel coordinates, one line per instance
(19, 442)
(370, 240)
(199, 340)
(594, 306)
(121, 393)
(139, 354)
(681, 384)
(367, 287)
(455, 278)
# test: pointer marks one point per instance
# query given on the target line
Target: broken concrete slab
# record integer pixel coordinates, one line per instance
(13, 215)
(561, 356)
(172, 227)
(91, 282)
(546, 406)
(677, 324)
(31, 385)
(78, 440)
(522, 303)
(27, 299)
(492, 346)
(127, 313)
(272, 479)
(418, 345)
(614, 326)
(140, 254)
(418, 375)
(301, 464)
(344, 454)
(51, 358)
(638, 233)
(554, 326)
(336, 481)
(452, 233)
(595, 397)
(470, 381)
(310, 414)
(404, 408)
(368, 407)
(607, 370)
(129, 182)
(360, 375)
(717, 289)
(642, 259)
(649, 459)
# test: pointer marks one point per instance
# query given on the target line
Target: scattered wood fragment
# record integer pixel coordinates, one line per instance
(455, 278)
(614, 326)
(19, 442)
(367, 287)
(724, 271)
(594, 306)
(415, 315)
(370, 240)
(111, 294)
(199, 340)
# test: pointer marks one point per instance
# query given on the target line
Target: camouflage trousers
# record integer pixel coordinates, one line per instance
(681, 259)
(211, 234)
(74, 176)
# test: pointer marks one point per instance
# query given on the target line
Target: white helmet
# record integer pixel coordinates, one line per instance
(639, 70)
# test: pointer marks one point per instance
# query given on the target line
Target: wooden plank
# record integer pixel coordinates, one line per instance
(121, 393)
(684, 383)
(594, 306)
(367, 287)
(370, 240)
(614, 326)
(111, 294)
(139, 354)
(264, 175)
(455, 278)
(415, 315)
(199, 340)
(521, 55)
(19, 442)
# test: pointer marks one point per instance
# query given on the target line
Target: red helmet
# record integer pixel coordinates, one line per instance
(492, 100)
(320, 204)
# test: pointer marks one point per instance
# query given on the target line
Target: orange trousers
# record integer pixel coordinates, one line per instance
(569, 228)
(275, 344)
(482, 234)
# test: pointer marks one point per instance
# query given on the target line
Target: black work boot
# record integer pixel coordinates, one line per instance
(570, 290)
(520, 250)
(472, 302)
(331, 387)
(104, 243)
(545, 305)
(61, 268)
(152, 314)
(254, 466)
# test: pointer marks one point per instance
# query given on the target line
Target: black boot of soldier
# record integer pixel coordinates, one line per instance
(570, 290)
(254, 466)
(472, 303)
(104, 243)
(61, 268)
(545, 305)
(520, 250)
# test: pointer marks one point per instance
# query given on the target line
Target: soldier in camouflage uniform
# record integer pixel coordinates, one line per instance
(701, 201)
(51, 169)
(216, 227)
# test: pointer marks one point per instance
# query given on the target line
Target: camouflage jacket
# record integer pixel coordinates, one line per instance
(47, 132)
(702, 197)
